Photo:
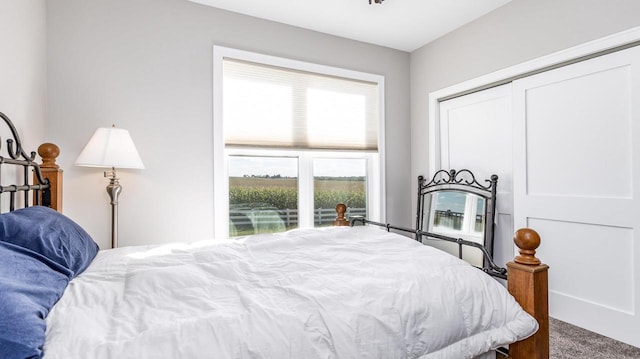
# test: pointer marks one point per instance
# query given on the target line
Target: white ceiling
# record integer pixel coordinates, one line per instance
(400, 24)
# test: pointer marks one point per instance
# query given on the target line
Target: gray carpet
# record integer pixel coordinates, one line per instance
(568, 341)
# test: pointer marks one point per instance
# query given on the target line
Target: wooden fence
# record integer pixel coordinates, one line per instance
(243, 218)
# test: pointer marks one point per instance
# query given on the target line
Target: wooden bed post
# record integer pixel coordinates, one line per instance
(341, 208)
(528, 283)
(50, 170)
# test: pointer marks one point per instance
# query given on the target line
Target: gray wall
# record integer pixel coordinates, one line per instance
(146, 65)
(520, 31)
(23, 68)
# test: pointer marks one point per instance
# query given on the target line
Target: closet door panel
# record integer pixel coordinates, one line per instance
(475, 133)
(576, 181)
(580, 129)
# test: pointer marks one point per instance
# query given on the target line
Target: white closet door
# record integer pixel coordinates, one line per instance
(475, 134)
(577, 182)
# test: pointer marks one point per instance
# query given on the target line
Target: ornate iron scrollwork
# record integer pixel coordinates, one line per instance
(18, 151)
(463, 177)
(18, 157)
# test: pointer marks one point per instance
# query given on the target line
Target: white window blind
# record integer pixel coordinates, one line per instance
(273, 107)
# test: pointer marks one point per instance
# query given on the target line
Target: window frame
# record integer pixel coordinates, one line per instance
(375, 161)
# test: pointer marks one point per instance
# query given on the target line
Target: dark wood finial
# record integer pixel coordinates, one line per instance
(49, 152)
(50, 171)
(527, 241)
(341, 208)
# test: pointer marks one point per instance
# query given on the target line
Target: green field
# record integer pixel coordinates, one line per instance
(282, 193)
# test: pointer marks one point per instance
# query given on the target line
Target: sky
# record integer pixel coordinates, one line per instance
(455, 201)
(288, 166)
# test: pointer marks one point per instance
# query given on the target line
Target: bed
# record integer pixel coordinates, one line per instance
(337, 292)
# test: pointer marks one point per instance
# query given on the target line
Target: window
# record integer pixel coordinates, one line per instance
(292, 139)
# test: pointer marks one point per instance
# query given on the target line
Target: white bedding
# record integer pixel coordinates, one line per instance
(332, 293)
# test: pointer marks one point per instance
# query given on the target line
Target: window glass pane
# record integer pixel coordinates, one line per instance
(338, 181)
(263, 194)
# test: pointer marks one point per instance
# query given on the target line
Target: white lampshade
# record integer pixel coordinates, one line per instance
(110, 147)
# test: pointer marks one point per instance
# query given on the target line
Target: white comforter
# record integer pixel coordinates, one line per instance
(332, 293)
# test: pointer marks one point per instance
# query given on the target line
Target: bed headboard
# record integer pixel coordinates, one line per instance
(451, 183)
(458, 199)
(34, 183)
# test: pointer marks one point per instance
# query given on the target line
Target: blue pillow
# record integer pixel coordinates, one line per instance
(51, 234)
(30, 284)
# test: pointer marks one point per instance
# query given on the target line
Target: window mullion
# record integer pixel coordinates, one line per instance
(373, 188)
(305, 190)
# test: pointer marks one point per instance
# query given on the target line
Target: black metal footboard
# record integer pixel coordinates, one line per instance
(489, 266)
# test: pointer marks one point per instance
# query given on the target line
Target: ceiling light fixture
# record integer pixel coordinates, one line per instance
(376, 1)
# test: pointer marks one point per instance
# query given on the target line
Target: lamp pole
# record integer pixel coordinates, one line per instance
(113, 189)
